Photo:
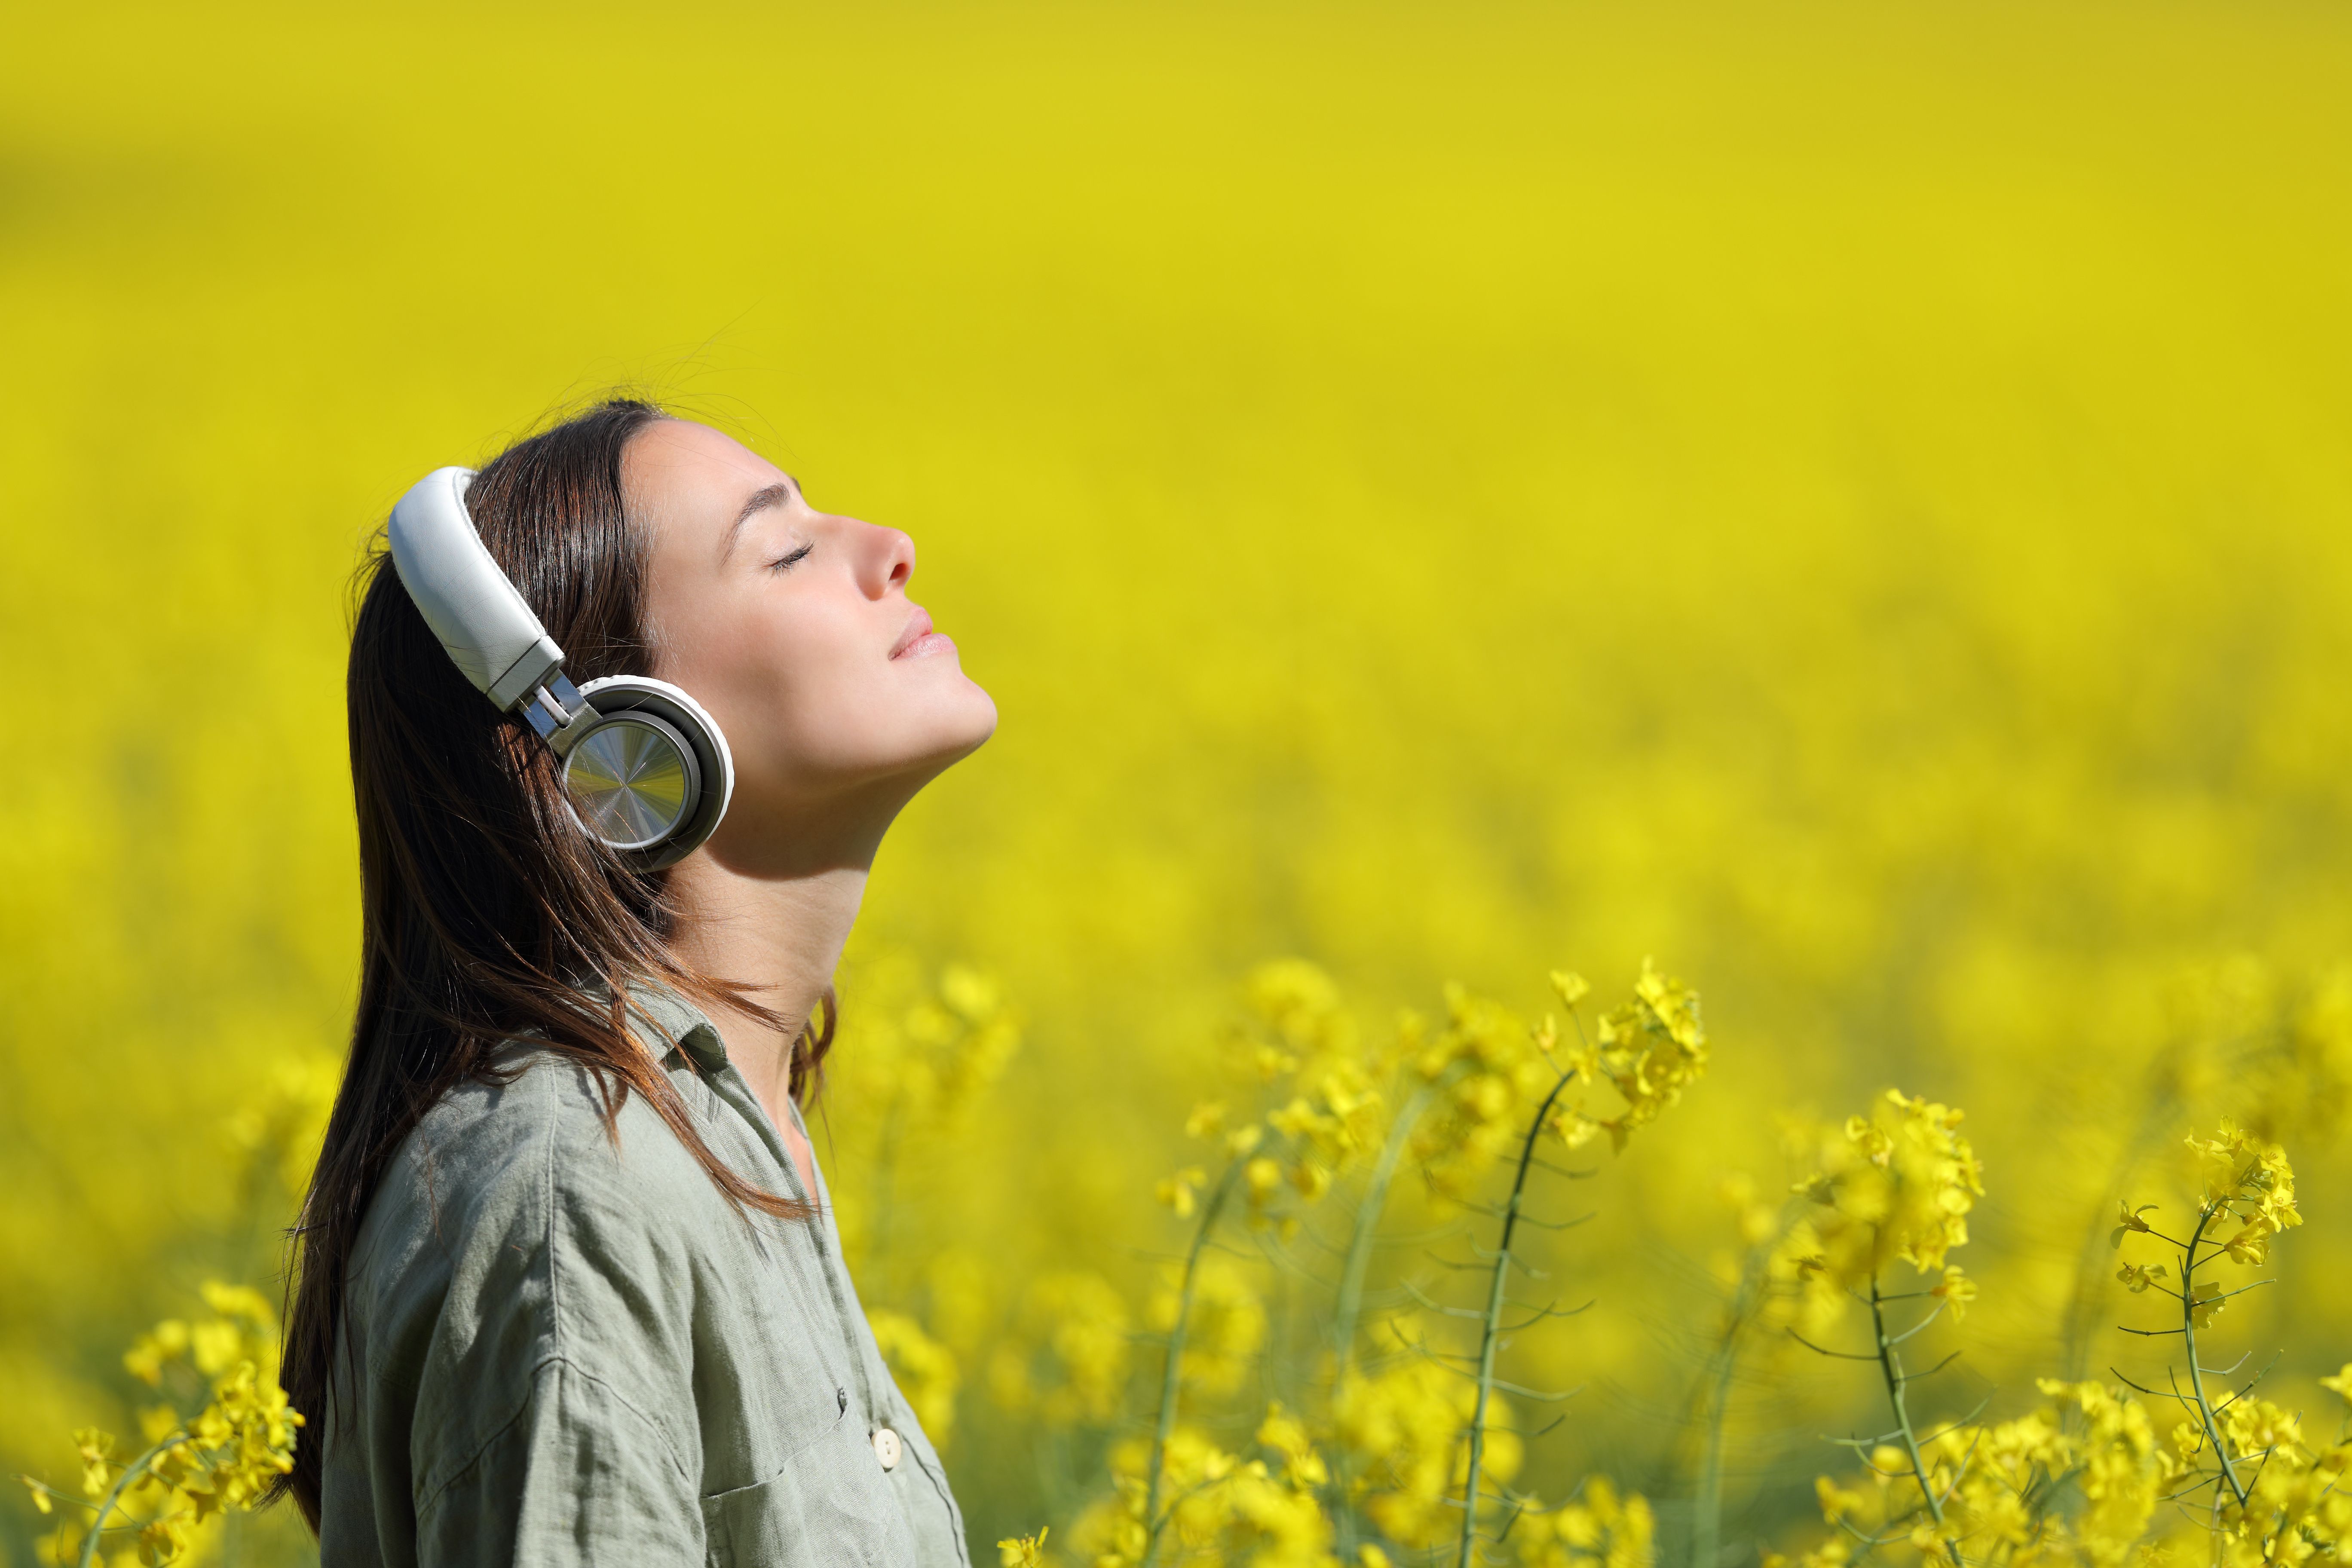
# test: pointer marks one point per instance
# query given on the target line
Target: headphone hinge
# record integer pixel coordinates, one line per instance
(557, 711)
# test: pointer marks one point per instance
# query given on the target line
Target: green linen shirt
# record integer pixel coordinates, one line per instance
(569, 1352)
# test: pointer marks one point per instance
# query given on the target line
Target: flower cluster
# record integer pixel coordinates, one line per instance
(276, 1133)
(1648, 1050)
(2295, 1506)
(2074, 1481)
(1260, 1508)
(1393, 1455)
(1299, 1046)
(1068, 1362)
(1227, 1326)
(919, 1050)
(223, 1457)
(1897, 1184)
(925, 1051)
(2275, 1498)
(1598, 1530)
(1492, 1068)
(924, 1369)
(2249, 1179)
(1495, 1069)
(1401, 1428)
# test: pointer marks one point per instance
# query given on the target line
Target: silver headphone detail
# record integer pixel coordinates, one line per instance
(653, 776)
(645, 770)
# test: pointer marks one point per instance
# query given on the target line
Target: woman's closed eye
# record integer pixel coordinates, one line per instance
(786, 563)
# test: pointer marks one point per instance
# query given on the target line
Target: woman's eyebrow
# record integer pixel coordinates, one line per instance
(758, 501)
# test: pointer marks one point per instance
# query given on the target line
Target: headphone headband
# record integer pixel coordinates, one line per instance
(658, 780)
(489, 631)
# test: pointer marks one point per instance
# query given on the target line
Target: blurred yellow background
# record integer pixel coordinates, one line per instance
(1853, 500)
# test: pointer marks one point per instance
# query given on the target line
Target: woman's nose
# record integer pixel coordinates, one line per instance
(887, 560)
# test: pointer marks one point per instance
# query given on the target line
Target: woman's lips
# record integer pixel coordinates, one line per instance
(918, 640)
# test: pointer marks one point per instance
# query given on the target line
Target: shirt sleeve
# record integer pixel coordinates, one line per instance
(579, 1476)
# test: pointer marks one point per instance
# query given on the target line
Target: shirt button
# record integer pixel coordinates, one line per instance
(886, 1448)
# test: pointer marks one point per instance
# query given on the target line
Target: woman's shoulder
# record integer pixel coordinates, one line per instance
(510, 1233)
(536, 1139)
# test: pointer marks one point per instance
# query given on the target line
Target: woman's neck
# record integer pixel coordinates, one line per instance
(781, 934)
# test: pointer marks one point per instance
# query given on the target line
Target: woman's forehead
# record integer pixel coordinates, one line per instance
(693, 479)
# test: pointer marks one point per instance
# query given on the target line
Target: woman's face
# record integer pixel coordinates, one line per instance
(793, 627)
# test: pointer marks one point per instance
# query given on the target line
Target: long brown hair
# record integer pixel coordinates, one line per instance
(486, 911)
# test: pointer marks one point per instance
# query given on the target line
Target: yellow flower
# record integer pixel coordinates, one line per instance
(96, 1450)
(164, 1539)
(2251, 1244)
(1898, 1183)
(242, 1302)
(2236, 1167)
(1264, 1178)
(1403, 1428)
(1072, 1368)
(971, 993)
(2205, 1301)
(925, 1369)
(2128, 1221)
(1227, 1326)
(1956, 1291)
(1597, 1531)
(1299, 1003)
(1180, 1191)
(215, 1346)
(1024, 1551)
(149, 1353)
(1208, 1119)
(1837, 1502)
(2138, 1278)
(2341, 1383)
(1303, 1464)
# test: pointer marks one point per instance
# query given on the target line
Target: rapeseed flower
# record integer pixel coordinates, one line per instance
(223, 1457)
(1597, 1529)
(1068, 1360)
(1897, 1184)
(925, 1370)
(1022, 1552)
(1227, 1328)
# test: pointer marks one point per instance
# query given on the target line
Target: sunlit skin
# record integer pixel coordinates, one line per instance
(839, 701)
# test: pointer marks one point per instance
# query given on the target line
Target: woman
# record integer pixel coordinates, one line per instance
(570, 1288)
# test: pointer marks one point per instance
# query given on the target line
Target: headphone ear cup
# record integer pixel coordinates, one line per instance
(631, 780)
(637, 716)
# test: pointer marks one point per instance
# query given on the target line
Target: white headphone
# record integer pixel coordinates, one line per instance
(646, 769)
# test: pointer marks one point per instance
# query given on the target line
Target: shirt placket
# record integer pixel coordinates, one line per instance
(888, 1449)
(729, 1086)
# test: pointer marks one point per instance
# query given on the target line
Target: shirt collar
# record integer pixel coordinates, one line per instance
(671, 1017)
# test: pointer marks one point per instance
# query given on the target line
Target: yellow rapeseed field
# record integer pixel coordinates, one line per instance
(1853, 502)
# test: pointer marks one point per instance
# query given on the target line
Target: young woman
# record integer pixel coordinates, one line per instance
(570, 1288)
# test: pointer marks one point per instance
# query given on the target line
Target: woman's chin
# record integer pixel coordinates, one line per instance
(970, 732)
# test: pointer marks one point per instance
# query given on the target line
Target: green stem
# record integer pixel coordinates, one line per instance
(1490, 1332)
(130, 1472)
(1707, 1507)
(1352, 1291)
(1171, 1380)
(2188, 1337)
(2092, 1272)
(1890, 1364)
(1368, 1220)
